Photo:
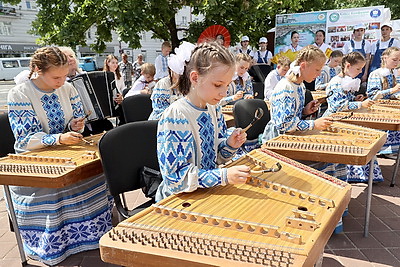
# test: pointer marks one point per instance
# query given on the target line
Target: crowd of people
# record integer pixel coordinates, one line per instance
(187, 90)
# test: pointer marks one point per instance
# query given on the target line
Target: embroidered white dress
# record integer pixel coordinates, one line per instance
(54, 223)
(236, 86)
(342, 100)
(191, 144)
(375, 90)
(327, 73)
(162, 97)
(287, 104)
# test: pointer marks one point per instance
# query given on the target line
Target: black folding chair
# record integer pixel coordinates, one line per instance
(137, 108)
(258, 90)
(244, 111)
(7, 139)
(124, 151)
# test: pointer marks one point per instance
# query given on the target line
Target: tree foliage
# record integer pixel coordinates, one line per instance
(65, 22)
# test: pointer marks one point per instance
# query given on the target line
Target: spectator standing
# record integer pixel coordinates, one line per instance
(161, 62)
(127, 71)
(137, 66)
(244, 47)
(263, 56)
(359, 44)
(378, 47)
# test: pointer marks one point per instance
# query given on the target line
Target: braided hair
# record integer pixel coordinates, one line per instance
(353, 58)
(385, 54)
(46, 57)
(245, 57)
(203, 59)
(308, 54)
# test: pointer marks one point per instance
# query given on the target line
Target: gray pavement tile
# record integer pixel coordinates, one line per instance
(380, 256)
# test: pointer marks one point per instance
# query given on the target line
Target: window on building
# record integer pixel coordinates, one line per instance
(10, 64)
(28, 4)
(5, 28)
(184, 20)
(89, 34)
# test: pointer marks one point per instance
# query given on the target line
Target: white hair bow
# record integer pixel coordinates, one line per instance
(350, 85)
(176, 62)
(294, 69)
(22, 77)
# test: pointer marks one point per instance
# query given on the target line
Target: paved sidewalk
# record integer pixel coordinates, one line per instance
(381, 248)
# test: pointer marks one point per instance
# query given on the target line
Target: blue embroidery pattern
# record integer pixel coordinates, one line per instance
(208, 159)
(55, 114)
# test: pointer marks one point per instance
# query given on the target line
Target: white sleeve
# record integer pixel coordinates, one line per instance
(346, 48)
(158, 65)
(269, 85)
(373, 48)
(136, 87)
(269, 55)
(367, 47)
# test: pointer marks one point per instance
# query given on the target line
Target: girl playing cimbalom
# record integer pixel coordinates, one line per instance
(343, 86)
(382, 84)
(288, 110)
(192, 138)
(45, 111)
(287, 101)
(241, 86)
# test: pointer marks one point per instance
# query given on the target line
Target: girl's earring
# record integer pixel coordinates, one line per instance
(34, 75)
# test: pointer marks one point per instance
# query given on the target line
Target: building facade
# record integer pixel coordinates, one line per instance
(15, 41)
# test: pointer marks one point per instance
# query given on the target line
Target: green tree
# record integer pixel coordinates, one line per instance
(65, 22)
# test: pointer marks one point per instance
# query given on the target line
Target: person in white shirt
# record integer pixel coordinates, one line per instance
(275, 76)
(263, 56)
(320, 41)
(161, 62)
(145, 83)
(294, 46)
(381, 45)
(359, 44)
(244, 47)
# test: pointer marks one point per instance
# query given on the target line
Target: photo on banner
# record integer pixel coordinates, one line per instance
(306, 24)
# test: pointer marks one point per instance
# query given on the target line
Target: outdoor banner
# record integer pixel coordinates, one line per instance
(340, 24)
(337, 24)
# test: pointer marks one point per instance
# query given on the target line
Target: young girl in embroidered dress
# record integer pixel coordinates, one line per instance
(287, 106)
(287, 101)
(45, 111)
(343, 86)
(192, 138)
(241, 86)
(382, 84)
(330, 70)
